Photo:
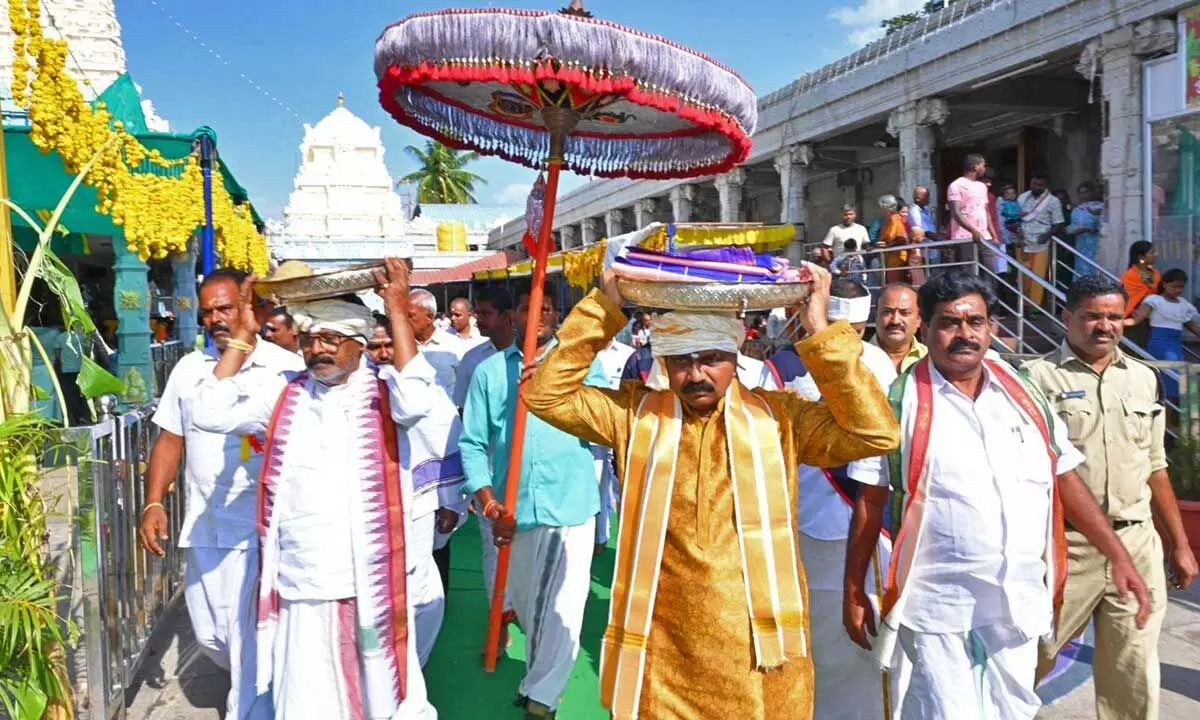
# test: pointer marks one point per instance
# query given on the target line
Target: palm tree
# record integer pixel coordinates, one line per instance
(442, 177)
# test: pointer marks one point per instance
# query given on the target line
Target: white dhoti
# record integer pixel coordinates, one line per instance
(489, 562)
(219, 585)
(425, 586)
(549, 580)
(984, 674)
(848, 683)
(317, 672)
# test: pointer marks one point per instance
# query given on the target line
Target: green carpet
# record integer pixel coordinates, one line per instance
(458, 686)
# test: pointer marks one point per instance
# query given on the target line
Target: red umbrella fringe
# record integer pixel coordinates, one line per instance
(712, 119)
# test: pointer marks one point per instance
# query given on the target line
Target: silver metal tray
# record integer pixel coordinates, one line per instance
(320, 284)
(713, 296)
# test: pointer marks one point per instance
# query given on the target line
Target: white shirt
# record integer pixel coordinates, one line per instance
(312, 507)
(221, 488)
(822, 513)
(1167, 314)
(838, 235)
(472, 338)
(1038, 215)
(443, 350)
(613, 358)
(466, 369)
(979, 554)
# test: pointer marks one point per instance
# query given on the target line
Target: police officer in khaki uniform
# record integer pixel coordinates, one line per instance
(1111, 404)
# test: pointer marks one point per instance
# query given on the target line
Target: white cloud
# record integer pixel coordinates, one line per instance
(861, 21)
(512, 194)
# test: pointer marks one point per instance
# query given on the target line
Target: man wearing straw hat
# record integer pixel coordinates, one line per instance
(344, 442)
(709, 613)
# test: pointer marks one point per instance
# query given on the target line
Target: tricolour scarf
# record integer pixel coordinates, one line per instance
(377, 526)
(911, 398)
(766, 535)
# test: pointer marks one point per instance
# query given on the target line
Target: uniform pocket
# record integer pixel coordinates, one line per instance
(1076, 413)
(1139, 419)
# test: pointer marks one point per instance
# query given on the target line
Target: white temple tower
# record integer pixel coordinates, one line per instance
(91, 28)
(343, 188)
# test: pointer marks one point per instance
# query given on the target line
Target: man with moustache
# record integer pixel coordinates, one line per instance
(897, 322)
(709, 615)
(1041, 219)
(1111, 404)
(379, 345)
(346, 442)
(280, 329)
(221, 483)
(980, 555)
(553, 531)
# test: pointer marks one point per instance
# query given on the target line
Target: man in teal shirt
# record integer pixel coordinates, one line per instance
(557, 501)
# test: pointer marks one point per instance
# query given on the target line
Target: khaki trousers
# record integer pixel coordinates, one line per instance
(1125, 663)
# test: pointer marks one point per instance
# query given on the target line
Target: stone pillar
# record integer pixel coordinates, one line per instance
(643, 211)
(131, 299)
(570, 236)
(612, 223)
(589, 231)
(729, 187)
(912, 123)
(183, 267)
(1116, 55)
(681, 198)
(792, 164)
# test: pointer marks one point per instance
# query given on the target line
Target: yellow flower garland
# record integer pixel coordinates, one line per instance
(580, 268)
(157, 202)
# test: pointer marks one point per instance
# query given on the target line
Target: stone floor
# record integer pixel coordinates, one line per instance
(179, 683)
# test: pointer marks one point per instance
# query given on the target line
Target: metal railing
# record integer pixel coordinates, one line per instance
(119, 590)
(163, 357)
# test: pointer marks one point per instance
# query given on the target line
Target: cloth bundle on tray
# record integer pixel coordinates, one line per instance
(718, 264)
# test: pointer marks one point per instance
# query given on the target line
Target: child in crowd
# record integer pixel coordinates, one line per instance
(1169, 313)
(850, 263)
(1010, 214)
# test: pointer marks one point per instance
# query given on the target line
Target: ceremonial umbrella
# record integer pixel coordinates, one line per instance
(560, 90)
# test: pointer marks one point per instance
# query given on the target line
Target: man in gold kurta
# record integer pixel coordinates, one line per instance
(707, 644)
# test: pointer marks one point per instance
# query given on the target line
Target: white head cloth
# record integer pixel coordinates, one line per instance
(852, 310)
(684, 333)
(339, 316)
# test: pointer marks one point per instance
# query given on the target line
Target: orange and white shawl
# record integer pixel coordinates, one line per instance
(765, 533)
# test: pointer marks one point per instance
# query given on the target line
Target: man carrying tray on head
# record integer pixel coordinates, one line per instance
(709, 614)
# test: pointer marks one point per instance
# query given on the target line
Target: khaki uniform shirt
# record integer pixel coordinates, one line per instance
(916, 351)
(1115, 418)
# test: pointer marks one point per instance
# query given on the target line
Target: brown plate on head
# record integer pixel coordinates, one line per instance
(294, 281)
(714, 296)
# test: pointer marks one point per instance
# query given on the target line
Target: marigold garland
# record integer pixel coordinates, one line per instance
(156, 201)
(580, 268)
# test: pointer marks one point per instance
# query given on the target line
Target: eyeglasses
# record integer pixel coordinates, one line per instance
(330, 340)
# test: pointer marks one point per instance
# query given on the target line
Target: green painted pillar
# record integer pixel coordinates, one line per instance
(183, 268)
(131, 299)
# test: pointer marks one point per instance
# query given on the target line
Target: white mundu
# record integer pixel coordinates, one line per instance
(976, 596)
(218, 533)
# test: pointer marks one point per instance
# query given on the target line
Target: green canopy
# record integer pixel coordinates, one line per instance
(37, 180)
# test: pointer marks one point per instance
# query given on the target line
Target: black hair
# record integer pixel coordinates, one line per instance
(222, 274)
(1039, 175)
(1087, 185)
(549, 297)
(1090, 286)
(850, 244)
(282, 311)
(990, 174)
(1138, 250)
(847, 288)
(971, 161)
(1173, 275)
(495, 296)
(950, 286)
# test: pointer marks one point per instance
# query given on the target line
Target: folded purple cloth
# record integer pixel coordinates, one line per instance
(728, 254)
(729, 276)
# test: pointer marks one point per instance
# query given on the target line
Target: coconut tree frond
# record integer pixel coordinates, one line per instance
(441, 177)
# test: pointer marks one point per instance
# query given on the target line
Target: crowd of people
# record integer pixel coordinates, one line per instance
(903, 527)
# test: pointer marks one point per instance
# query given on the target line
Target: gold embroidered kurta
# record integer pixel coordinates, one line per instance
(700, 657)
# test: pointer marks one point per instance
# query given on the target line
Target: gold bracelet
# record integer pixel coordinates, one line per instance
(153, 504)
(487, 508)
(239, 345)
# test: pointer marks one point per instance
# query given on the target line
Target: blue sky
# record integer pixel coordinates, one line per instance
(304, 52)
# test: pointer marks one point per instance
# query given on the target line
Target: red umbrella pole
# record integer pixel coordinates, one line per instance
(529, 351)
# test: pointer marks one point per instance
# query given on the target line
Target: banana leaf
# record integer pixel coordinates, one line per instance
(60, 279)
(95, 381)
